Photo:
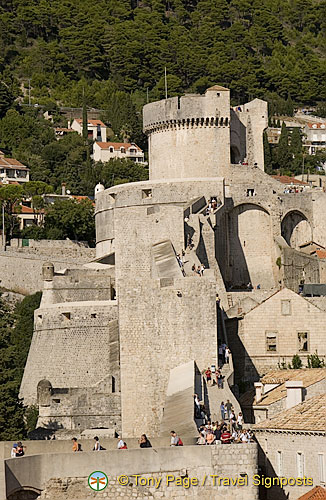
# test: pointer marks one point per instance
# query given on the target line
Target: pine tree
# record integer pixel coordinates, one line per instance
(267, 153)
(296, 142)
(283, 154)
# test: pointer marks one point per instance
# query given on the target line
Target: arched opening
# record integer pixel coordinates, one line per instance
(250, 247)
(235, 155)
(295, 229)
(24, 494)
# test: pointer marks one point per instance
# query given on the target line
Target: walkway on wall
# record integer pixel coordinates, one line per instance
(165, 259)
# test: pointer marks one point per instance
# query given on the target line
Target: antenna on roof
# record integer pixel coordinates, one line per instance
(166, 84)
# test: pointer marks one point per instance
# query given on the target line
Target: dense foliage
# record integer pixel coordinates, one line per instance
(250, 46)
(16, 330)
(111, 55)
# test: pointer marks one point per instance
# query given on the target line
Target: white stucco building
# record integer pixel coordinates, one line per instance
(96, 129)
(105, 151)
(12, 170)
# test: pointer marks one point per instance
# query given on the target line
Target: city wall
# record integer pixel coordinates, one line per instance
(40, 472)
(70, 346)
(21, 268)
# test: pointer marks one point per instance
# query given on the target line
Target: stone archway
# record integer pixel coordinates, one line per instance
(24, 494)
(296, 229)
(250, 246)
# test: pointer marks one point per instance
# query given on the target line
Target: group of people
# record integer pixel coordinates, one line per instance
(18, 450)
(214, 376)
(293, 190)
(222, 433)
(223, 354)
(198, 270)
(213, 204)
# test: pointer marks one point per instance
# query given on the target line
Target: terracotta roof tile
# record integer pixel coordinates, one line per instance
(117, 145)
(317, 493)
(317, 125)
(286, 179)
(307, 416)
(308, 376)
(91, 122)
(321, 254)
(11, 163)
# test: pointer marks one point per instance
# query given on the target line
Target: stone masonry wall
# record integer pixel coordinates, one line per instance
(226, 461)
(289, 444)
(250, 339)
(70, 346)
(21, 269)
(160, 330)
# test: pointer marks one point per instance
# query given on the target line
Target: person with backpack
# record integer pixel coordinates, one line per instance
(175, 439)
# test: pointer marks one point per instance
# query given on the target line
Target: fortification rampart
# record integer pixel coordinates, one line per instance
(21, 269)
(191, 461)
(189, 136)
(80, 334)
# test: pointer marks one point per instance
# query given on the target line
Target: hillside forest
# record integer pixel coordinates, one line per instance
(111, 54)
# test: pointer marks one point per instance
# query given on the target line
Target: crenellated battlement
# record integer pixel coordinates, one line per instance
(191, 110)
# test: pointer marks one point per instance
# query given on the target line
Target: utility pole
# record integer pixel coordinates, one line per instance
(3, 227)
(29, 91)
(166, 84)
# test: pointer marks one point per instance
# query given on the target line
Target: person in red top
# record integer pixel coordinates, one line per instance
(226, 436)
(208, 374)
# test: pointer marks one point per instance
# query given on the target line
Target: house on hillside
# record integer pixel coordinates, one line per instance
(315, 137)
(96, 129)
(12, 171)
(293, 445)
(105, 151)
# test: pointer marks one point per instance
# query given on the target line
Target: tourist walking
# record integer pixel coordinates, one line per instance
(174, 438)
(228, 407)
(222, 408)
(208, 375)
(97, 446)
(240, 421)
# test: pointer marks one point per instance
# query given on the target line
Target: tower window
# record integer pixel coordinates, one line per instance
(146, 193)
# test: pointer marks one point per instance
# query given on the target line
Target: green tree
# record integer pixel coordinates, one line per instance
(267, 154)
(283, 154)
(314, 361)
(296, 362)
(11, 410)
(22, 332)
(70, 219)
(10, 197)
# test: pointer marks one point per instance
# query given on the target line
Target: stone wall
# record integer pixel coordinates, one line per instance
(289, 444)
(21, 269)
(199, 463)
(70, 346)
(161, 328)
(285, 313)
(189, 136)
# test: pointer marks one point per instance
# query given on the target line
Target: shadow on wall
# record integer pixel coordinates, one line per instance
(239, 272)
(296, 229)
(19, 493)
(266, 469)
(201, 249)
(244, 370)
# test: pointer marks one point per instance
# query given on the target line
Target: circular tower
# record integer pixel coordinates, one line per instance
(189, 137)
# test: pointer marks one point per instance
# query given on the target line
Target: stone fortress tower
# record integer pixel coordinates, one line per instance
(156, 325)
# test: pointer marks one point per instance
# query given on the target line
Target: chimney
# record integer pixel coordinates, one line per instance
(63, 189)
(69, 124)
(293, 392)
(259, 391)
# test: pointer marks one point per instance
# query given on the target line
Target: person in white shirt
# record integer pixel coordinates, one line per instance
(174, 438)
(240, 421)
(120, 443)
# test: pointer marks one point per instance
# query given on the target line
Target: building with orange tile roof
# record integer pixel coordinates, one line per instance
(96, 129)
(293, 445)
(106, 151)
(12, 171)
(317, 493)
